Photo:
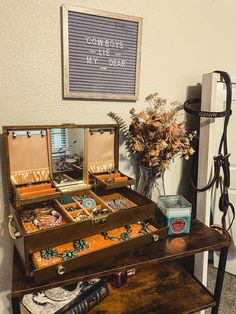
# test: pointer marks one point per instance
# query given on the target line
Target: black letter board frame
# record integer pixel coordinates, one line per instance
(101, 54)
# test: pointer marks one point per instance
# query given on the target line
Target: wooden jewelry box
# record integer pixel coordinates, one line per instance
(58, 193)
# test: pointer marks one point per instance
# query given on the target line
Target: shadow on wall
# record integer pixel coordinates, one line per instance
(192, 123)
(128, 164)
(6, 243)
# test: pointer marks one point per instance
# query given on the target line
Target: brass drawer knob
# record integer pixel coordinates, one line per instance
(61, 270)
(156, 237)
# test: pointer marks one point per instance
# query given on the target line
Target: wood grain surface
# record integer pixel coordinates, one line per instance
(162, 289)
(200, 239)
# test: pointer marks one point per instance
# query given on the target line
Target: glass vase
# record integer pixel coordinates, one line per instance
(151, 183)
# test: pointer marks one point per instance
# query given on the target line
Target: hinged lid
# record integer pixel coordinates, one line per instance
(173, 205)
(37, 155)
(28, 156)
(102, 149)
(102, 146)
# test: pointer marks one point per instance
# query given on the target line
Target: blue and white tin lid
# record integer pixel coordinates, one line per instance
(174, 205)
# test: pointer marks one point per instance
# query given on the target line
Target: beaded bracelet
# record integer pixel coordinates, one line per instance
(124, 236)
(36, 215)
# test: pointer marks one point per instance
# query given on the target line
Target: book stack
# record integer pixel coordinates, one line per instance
(78, 298)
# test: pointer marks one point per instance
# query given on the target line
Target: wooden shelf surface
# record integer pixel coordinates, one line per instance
(200, 239)
(159, 289)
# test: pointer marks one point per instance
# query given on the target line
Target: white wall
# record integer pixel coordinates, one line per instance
(181, 40)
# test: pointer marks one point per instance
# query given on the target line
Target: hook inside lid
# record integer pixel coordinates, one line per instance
(101, 130)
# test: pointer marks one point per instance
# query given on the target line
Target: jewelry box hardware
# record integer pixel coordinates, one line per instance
(156, 237)
(14, 233)
(68, 124)
(99, 221)
(101, 131)
(61, 270)
(14, 134)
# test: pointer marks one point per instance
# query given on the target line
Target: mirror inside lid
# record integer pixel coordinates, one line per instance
(67, 158)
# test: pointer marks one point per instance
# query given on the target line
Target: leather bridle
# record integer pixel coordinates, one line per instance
(221, 161)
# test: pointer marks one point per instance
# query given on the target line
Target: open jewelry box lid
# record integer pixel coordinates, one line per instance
(30, 165)
(28, 156)
(102, 147)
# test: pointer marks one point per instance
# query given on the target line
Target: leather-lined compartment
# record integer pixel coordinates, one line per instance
(80, 253)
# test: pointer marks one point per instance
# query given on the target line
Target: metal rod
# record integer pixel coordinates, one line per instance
(220, 278)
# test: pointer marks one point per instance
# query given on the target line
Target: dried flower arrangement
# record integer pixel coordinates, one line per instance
(155, 136)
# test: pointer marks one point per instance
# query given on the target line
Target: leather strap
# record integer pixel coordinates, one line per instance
(204, 114)
(221, 161)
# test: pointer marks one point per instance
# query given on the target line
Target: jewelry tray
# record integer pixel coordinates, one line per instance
(98, 250)
(120, 180)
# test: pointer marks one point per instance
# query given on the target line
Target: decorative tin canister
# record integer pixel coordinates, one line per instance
(177, 212)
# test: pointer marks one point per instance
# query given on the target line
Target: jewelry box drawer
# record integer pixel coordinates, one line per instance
(55, 262)
(112, 180)
(141, 209)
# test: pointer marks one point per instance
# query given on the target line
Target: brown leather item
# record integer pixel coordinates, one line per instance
(96, 243)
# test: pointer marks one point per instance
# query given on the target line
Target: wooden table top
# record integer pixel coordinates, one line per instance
(200, 239)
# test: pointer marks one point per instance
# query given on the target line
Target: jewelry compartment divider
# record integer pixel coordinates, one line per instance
(56, 261)
(102, 216)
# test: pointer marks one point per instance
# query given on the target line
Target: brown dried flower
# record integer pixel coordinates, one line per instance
(156, 136)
